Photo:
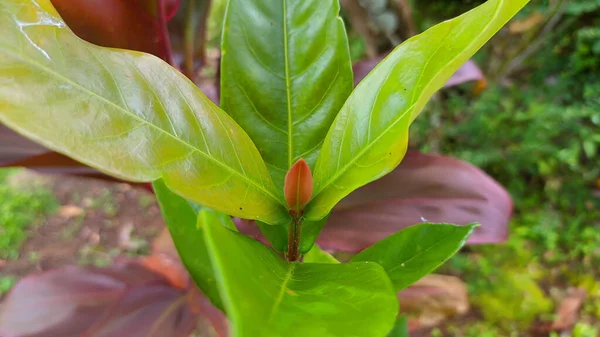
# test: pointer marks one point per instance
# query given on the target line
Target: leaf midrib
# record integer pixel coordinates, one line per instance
(366, 148)
(287, 86)
(134, 116)
(279, 299)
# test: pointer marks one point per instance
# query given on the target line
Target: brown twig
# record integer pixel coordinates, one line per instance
(358, 17)
(405, 12)
(532, 44)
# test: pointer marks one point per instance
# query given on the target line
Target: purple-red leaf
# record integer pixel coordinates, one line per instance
(153, 6)
(54, 163)
(468, 72)
(14, 147)
(118, 23)
(298, 185)
(121, 300)
(424, 188)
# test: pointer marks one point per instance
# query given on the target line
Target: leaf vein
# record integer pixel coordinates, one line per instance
(279, 299)
(134, 116)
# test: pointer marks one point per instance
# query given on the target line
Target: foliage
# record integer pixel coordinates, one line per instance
(287, 98)
(502, 132)
(20, 207)
(536, 133)
(276, 293)
(431, 242)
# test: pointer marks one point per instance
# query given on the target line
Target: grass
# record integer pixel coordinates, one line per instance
(20, 208)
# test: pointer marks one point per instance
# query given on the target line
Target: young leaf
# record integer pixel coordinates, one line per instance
(126, 113)
(181, 220)
(370, 134)
(286, 72)
(298, 186)
(266, 296)
(416, 251)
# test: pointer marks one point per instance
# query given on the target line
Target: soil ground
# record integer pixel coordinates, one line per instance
(95, 222)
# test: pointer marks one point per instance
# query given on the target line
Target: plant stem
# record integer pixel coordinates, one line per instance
(163, 33)
(294, 232)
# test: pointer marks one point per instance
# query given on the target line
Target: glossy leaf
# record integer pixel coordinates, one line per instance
(416, 251)
(317, 255)
(127, 114)
(369, 136)
(422, 188)
(298, 186)
(267, 296)
(286, 72)
(469, 71)
(182, 220)
(122, 300)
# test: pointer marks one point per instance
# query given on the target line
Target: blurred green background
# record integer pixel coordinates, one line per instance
(536, 129)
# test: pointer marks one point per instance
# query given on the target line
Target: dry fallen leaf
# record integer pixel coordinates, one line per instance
(522, 26)
(434, 298)
(70, 211)
(567, 313)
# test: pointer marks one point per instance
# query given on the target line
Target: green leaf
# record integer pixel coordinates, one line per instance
(126, 113)
(317, 255)
(400, 328)
(181, 219)
(416, 251)
(286, 72)
(370, 134)
(266, 296)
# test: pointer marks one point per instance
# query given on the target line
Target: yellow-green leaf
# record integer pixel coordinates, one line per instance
(369, 137)
(126, 113)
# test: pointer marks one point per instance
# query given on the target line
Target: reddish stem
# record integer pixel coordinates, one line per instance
(163, 32)
(294, 232)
